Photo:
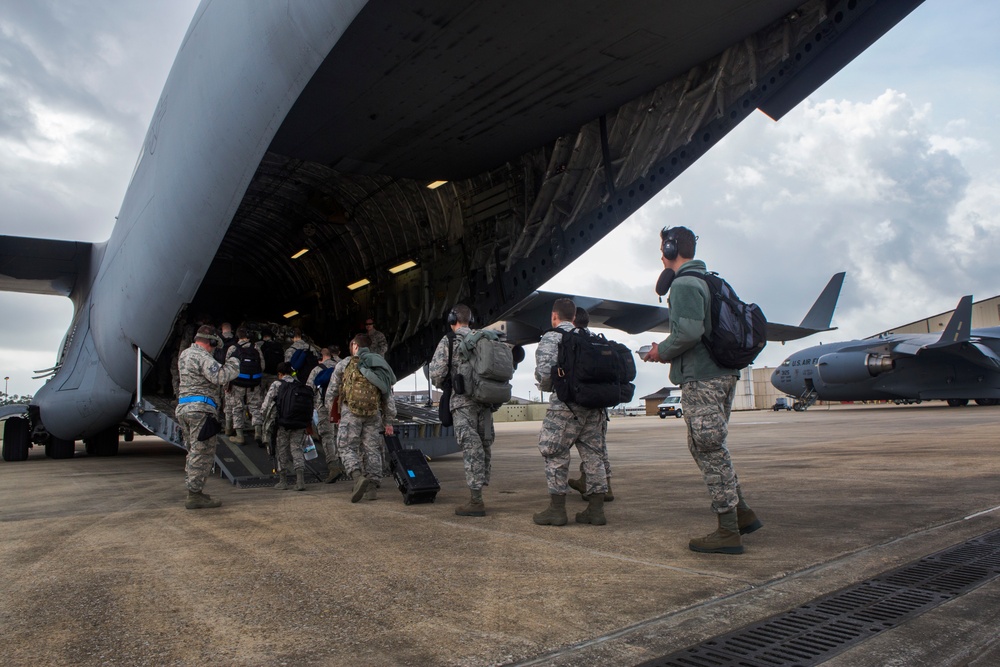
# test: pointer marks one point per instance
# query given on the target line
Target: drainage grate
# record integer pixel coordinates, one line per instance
(818, 630)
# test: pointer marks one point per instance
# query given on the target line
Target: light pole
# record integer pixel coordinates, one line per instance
(5, 381)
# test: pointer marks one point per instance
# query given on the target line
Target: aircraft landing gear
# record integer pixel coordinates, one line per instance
(104, 443)
(57, 448)
(957, 402)
(16, 439)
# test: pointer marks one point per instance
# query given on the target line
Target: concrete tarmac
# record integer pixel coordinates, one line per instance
(102, 565)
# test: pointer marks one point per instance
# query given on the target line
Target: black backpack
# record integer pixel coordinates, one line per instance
(250, 370)
(274, 354)
(592, 371)
(220, 352)
(303, 361)
(739, 330)
(295, 405)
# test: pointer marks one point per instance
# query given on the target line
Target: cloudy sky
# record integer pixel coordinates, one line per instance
(889, 172)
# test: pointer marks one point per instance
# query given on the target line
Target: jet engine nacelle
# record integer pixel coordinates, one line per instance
(848, 367)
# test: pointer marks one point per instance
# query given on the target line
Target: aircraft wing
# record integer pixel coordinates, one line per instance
(525, 322)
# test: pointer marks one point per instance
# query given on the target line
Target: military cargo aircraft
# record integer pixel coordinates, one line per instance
(324, 162)
(960, 365)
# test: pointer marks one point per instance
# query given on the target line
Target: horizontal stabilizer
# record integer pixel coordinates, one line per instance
(42, 266)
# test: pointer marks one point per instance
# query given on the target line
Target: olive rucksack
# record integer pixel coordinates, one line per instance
(360, 395)
(739, 330)
(487, 366)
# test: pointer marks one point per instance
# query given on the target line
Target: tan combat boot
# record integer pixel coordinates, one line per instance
(282, 484)
(555, 515)
(198, 500)
(594, 514)
(336, 472)
(747, 519)
(238, 437)
(372, 492)
(300, 480)
(725, 540)
(474, 507)
(361, 484)
(579, 485)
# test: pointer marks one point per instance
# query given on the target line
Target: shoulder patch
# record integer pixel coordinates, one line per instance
(214, 368)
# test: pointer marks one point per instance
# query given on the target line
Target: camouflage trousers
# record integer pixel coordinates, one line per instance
(240, 400)
(604, 446)
(327, 433)
(201, 455)
(474, 432)
(359, 441)
(289, 448)
(561, 430)
(707, 405)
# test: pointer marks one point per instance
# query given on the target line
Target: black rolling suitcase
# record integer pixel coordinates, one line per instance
(413, 476)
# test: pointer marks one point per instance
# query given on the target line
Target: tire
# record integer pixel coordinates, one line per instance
(56, 448)
(662, 416)
(16, 439)
(679, 414)
(957, 402)
(104, 443)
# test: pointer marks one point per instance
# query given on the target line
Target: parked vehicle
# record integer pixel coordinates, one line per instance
(782, 403)
(671, 405)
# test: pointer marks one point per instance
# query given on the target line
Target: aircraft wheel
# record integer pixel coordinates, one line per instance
(104, 443)
(987, 401)
(57, 448)
(16, 439)
(957, 402)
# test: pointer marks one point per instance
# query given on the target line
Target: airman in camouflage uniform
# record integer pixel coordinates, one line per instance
(379, 344)
(200, 391)
(473, 421)
(566, 425)
(582, 321)
(359, 439)
(289, 442)
(708, 390)
(329, 357)
(240, 400)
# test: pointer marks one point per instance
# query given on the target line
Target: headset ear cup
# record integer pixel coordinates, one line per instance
(452, 317)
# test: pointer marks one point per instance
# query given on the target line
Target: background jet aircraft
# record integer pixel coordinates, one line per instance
(388, 159)
(527, 321)
(961, 364)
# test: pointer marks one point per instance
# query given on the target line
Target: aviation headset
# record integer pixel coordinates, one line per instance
(668, 243)
(453, 318)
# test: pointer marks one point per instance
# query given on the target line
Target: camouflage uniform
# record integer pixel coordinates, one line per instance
(300, 345)
(566, 425)
(289, 442)
(241, 399)
(327, 430)
(707, 405)
(379, 344)
(359, 439)
(473, 421)
(201, 379)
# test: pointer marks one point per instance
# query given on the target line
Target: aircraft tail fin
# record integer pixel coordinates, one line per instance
(958, 327)
(816, 320)
(42, 266)
(821, 313)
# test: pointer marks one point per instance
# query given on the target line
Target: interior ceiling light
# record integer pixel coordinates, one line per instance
(408, 264)
(291, 313)
(358, 285)
(300, 253)
(435, 185)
